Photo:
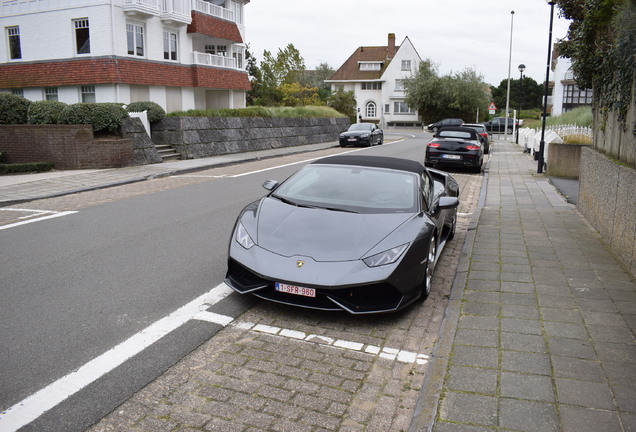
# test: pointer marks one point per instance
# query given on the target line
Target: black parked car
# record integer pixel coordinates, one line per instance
(433, 127)
(366, 134)
(498, 124)
(482, 132)
(455, 146)
(355, 233)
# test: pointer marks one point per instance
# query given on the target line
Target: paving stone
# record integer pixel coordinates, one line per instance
(577, 419)
(483, 338)
(475, 356)
(469, 408)
(529, 416)
(577, 348)
(523, 342)
(584, 393)
(527, 386)
(525, 362)
(472, 379)
(513, 325)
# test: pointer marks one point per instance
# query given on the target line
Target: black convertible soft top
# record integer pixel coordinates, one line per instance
(374, 161)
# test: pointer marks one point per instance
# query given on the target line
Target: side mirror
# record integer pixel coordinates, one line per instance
(448, 203)
(270, 185)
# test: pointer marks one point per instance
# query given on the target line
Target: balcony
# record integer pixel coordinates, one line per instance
(214, 60)
(212, 10)
(176, 11)
(144, 8)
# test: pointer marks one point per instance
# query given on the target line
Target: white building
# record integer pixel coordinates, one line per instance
(566, 95)
(376, 76)
(181, 54)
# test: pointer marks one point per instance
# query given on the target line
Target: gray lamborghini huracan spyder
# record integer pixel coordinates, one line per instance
(354, 233)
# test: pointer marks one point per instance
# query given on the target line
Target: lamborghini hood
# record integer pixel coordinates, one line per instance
(324, 235)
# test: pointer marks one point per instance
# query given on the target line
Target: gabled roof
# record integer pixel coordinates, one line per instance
(350, 70)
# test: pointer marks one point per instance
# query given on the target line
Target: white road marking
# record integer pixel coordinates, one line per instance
(29, 409)
(36, 216)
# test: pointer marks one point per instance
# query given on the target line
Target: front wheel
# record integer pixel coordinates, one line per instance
(430, 267)
(453, 227)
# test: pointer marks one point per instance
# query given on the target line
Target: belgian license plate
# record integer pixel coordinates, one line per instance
(293, 289)
(447, 156)
(352, 139)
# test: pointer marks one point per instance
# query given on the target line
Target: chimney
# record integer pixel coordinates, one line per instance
(391, 50)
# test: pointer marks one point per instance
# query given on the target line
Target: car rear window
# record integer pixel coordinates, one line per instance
(455, 134)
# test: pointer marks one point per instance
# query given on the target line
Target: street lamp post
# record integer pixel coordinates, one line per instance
(512, 17)
(522, 67)
(545, 93)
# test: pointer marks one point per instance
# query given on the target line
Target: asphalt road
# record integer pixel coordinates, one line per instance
(77, 286)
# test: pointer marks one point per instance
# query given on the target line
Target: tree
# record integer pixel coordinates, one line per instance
(453, 95)
(285, 68)
(344, 102)
(527, 94)
(295, 94)
(316, 78)
(601, 42)
(255, 77)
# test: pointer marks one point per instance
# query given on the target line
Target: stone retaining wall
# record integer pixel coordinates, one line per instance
(66, 146)
(196, 137)
(565, 160)
(607, 199)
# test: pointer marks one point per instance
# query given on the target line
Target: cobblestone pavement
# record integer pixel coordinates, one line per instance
(277, 368)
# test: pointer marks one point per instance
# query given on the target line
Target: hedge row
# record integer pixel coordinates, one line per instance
(25, 167)
(103, 116)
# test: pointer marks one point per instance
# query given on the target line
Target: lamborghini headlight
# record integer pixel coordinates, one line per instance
(387, 257)
(243, 238)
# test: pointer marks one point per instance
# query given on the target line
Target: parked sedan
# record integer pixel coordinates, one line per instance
(433, 127)
(482, 133)
(498, 124)
(366, 134)
(455, 146)
(360, 234)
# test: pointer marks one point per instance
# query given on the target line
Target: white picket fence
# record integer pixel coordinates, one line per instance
(530, 139)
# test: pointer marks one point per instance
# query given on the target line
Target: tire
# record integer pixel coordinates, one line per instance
(430, 267)
(381, 140)
(453, 228)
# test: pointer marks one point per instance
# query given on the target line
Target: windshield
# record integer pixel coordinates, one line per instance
(360, 127)
(351, 188)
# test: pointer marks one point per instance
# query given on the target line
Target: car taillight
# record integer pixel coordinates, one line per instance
(433, 144)
(484, 134)
(472, 147)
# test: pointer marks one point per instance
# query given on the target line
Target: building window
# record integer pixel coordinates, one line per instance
(50, 93)
(371, 86)
(82, 36)
(169, 45)
(406, 65)
(237, 53)
(399, 85)
(88, 94)
(220, 50)
(573, 96)
(371, 109)
(339, 87)
(387, 108)
(402, 108)
(13, 34)
(135, 39)
(370, 66)
(17, 92)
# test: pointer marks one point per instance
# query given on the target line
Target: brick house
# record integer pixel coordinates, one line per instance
(181, 54)
(375, 74)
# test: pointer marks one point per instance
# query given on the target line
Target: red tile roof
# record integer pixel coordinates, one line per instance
(350, 70)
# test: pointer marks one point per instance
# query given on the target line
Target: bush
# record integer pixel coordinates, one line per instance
(264, 112)
(154, 110)
(13, 109)
(25, 167)
(45, 112)
(103, 116)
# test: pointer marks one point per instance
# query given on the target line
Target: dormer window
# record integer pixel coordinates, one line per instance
(370, 66)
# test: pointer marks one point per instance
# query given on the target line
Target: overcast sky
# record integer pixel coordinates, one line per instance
(454, 34)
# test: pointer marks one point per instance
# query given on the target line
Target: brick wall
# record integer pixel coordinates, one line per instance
(67, 146)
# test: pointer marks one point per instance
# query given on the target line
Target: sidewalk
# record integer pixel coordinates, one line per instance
(15, 189)
(539, 333)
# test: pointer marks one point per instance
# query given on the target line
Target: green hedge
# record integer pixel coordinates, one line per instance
(13, 109)
(45, 112)
(154, 110)
(25, 167)
(103, 116)
(264, 112)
